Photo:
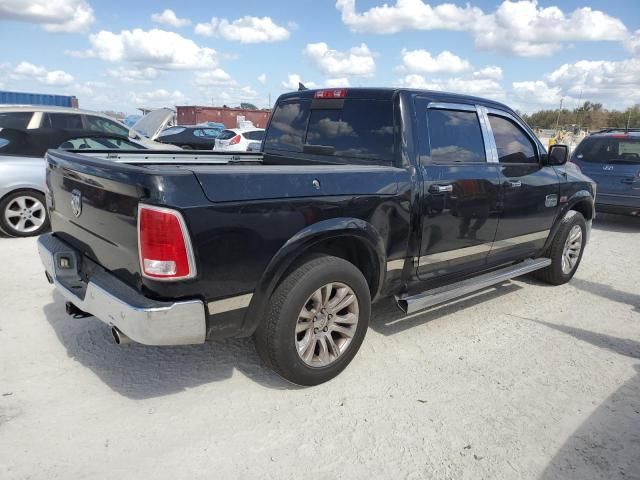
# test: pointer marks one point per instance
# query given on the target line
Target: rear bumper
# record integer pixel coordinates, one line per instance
(96, 291)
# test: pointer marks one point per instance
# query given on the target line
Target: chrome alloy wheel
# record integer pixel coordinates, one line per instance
(571, 251)
(326, 324)
(25, 214)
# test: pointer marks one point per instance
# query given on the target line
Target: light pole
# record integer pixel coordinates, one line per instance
(559, 111)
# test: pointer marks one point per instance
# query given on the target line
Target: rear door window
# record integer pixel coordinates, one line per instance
(99, 124)
(62, 121)
(455, 137)
(19, 120)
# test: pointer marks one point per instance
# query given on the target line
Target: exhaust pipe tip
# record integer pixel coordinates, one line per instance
(119, 337)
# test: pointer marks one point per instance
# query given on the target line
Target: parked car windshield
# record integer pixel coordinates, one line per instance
(623, 149)
(18, 120)
(362, 129)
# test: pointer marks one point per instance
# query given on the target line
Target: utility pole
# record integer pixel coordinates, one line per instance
(559, 111)
(269, 99)
(629, 118)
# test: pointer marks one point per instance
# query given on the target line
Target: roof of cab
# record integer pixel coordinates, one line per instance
(610, 132)
(386, 93)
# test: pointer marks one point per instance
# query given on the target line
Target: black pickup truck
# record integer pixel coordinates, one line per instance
(358, 194)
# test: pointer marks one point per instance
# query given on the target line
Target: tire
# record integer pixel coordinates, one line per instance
(556, 273)
(277, 339)
(23, 213)
(186, 147)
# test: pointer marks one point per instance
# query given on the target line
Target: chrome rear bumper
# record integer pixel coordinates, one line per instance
(144, 320)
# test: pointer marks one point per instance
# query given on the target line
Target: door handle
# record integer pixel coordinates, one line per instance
(513, 183)
(440, 188)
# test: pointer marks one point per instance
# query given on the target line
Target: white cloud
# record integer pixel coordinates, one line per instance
(358, 61)
(493, 72)
(337, 82)
(292, 81)
(517, 27)
(26, 70)
(169, 17)
(407, 15)
(262, 78)
(53, 15)
(216, 76)
(158, 97)
(244, 30)
(134, 74)
(155, 48)
(421, 61)
(482, 87)
(605, 81)
(633, 43)
(525, 29)
(536, 93)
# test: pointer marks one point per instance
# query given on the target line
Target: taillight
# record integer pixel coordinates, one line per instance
(235, 140)
(335, 93)
(163, 244)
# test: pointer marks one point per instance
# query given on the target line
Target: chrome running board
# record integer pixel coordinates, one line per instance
(414, 303)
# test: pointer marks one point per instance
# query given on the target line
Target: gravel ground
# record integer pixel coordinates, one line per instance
(519, 381)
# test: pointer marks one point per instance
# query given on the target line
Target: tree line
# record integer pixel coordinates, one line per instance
(592, 116)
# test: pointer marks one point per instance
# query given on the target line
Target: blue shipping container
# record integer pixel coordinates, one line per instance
(20, 98)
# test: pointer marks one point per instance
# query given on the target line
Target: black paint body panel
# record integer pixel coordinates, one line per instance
(249, 224)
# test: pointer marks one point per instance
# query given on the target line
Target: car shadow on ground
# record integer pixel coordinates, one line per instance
(138, 371)
(616, 223)
(388, 319)
(607, 444)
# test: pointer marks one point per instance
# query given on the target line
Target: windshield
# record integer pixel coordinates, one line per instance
(359, 129)
(622, 149)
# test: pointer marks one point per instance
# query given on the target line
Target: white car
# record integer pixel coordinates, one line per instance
(238, 139)
(143, 132)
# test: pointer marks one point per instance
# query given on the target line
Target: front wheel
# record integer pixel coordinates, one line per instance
(566, 250)
(316, 321)
(23, 214)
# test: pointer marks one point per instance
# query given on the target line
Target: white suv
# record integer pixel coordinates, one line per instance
(64, 118)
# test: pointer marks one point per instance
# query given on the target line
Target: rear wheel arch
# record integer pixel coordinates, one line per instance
(353, 240)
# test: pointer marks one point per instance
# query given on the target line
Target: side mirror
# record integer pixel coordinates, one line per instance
(558, 155)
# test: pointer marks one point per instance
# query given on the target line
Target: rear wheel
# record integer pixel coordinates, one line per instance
(566, 250)
(316, 321)
(23, 214)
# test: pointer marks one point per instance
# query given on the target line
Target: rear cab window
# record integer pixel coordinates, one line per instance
(351, 130)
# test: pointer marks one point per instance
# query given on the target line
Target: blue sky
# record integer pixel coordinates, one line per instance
(118, 55)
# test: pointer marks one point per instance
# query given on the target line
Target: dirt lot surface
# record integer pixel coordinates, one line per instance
(520, 381)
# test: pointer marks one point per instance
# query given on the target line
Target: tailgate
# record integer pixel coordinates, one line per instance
(93, 205)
